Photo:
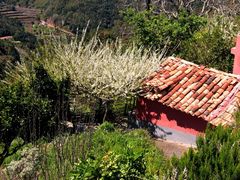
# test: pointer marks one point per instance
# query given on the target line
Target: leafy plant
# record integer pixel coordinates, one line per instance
(120, 155)
(159, 31)
(217, 156)
(210, 46)
(30, 106)
(8, 27)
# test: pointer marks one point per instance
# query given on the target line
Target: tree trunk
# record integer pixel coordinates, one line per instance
(106, 111)
(148, 4)
(98, 111)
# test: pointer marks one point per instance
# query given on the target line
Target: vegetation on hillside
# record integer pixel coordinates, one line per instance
(43, 136)
(9, 48)
(8, 27)
(195, 38)
(76, 14)
(105, 153)
(110, 153)
(8, 54)
(159, 31)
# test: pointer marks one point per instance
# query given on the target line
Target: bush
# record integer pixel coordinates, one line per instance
(8, 27)
(20, 111)
(26, 167)
(210, 48)
(31, 108)
(158, 30)
(28, 39)
(217, 156)
(116, 155)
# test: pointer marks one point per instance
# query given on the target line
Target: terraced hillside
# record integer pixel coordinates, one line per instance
(27, 16)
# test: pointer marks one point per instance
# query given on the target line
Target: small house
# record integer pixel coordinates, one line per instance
(186, 97)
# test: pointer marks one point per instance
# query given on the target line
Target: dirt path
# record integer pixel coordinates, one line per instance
(171, 148)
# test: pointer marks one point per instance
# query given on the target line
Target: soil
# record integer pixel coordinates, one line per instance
(171, 148)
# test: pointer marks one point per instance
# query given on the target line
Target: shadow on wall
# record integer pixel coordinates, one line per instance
(164, 116)
(153, 129)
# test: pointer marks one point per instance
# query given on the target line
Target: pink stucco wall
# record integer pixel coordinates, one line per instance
(236, 52)
(162, 115)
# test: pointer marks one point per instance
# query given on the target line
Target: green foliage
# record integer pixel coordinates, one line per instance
(116, 155)
(106, 153)
(28, 39)
(217, 156)
(210, 48)
(31, 109)
(111, 166)
(75, 14)
(8, 54)
(8, 49)
(60, 155)
(26, 167)
(19, 108)
(8, 27)
(158, 30)
(16, 148)
(107, 127)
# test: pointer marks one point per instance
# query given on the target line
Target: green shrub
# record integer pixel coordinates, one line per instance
(210, 48)
(20, 108)
(28, 39)
(9, 26)
(158, 31)
(111, 166)
(31, 108)
(116, 155)
(217, 156)
(107, 127)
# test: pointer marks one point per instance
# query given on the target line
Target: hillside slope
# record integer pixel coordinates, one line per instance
(75, 14)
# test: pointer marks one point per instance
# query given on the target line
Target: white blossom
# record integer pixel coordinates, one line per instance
(108, 71)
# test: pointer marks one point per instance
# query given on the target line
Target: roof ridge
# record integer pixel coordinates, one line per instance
(207, 68)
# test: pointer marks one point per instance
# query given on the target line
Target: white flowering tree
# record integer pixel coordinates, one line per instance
(106, 71)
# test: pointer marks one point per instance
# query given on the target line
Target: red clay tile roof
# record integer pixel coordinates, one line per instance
(202, 92)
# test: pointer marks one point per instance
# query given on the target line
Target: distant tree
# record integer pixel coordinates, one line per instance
(8, 27)
(8, 54)
(159, 31)
(76, 14)
(210, 48)
(172, 8)
(27, 39)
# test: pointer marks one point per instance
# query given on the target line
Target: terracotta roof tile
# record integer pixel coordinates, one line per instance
(194, 89)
